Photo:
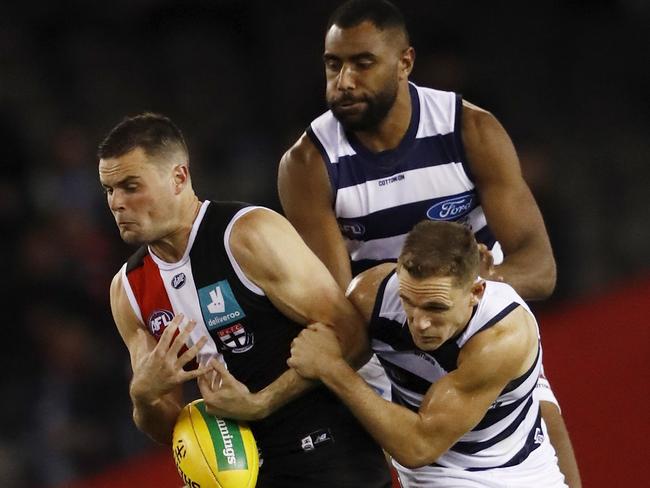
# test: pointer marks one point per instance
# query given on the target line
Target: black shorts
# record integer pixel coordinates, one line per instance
(347, 458)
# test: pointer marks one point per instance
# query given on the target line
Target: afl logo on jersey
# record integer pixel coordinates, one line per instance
(452, 208)
(158, 321)
(352, 230)
(178, 280)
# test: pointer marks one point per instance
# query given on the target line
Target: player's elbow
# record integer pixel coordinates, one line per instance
(155, 432)
(139, 421)
(546, 281)
(419, 450)
(537, 276)
(410, 462)
(412, 456)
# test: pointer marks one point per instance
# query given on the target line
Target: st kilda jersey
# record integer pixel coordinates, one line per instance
(246, 331)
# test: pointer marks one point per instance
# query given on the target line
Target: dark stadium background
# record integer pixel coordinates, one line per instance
(568, 79)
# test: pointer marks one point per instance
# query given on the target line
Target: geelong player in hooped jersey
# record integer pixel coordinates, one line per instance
(228, 286)
(390, 153)
(463, 356)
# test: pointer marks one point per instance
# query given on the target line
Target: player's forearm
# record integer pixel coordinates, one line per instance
(379, 417)
(533, 277)
(353, 337)
(334, 256)
(287, 387)
(338, 263)
(157, 418)
(559, 438)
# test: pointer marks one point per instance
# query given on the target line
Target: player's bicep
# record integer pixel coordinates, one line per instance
(510, 208)
(454, 405)
(307, 200)
(512, 213)
(487, 363)
(275, 258)
(303, 186)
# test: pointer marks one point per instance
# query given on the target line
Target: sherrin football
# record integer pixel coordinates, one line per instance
(211, 452)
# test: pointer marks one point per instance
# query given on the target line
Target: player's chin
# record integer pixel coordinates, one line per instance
(131, 238)
(429, 343)
(351, 120)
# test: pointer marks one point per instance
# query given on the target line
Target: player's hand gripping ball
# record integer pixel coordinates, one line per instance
(211, 452)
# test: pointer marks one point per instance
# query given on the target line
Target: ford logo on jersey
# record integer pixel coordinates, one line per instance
(452, 208)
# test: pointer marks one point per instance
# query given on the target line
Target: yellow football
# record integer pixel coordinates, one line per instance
(211, 452)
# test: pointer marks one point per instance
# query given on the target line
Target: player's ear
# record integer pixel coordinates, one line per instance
(478, 287)
(180, 176)
(406, 62)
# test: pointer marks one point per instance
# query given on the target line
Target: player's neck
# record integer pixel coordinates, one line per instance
(390, 132)
(171, 247)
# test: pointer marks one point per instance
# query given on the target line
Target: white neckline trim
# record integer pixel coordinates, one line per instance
(190, 242)
(233, 262)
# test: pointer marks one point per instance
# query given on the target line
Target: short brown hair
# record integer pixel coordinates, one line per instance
(154, 133)
(436, 248)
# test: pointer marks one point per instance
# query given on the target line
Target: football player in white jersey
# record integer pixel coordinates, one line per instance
(464, 356)
(368, 60)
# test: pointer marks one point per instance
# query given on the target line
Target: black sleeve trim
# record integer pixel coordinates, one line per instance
(498, 317)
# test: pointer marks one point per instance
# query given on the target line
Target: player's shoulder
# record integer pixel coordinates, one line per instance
(324, 121)
(428, 91)
(255, 218)
(308, 148)
(437, 110)
(302, 154)
(258, 230)
(499, 304)
(509, 344)
(363, 289)
(477, 120)
(116, 283)
(118, 296)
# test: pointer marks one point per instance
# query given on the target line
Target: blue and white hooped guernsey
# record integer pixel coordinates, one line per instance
(379, 197)
(510, 430)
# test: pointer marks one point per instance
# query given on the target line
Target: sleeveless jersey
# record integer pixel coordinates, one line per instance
(379, 197)
(246, 331)
(511, 428)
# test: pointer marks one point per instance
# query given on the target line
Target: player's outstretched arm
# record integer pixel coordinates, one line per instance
(510, 208)
(451, 407)
(158, 375)
(306, 196)
(274, 257)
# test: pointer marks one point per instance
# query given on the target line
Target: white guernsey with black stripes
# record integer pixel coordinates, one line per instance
(379, 197)
(511, 429)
